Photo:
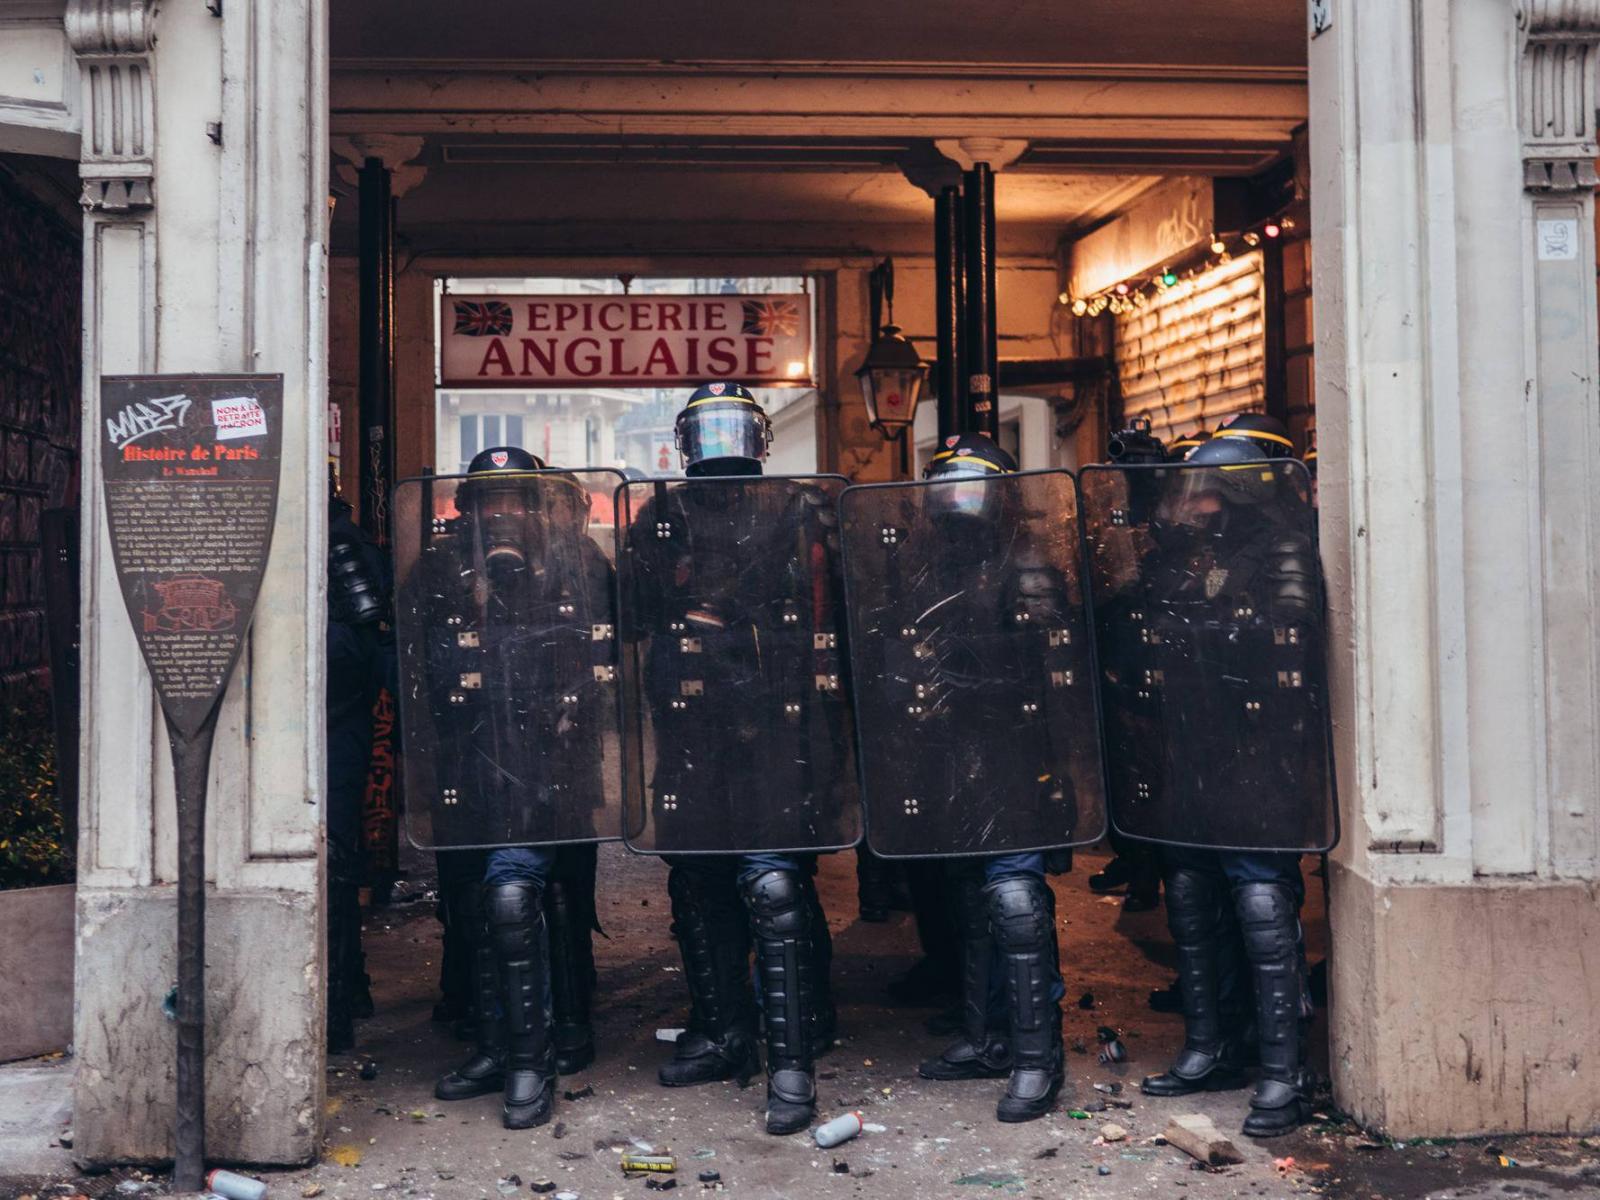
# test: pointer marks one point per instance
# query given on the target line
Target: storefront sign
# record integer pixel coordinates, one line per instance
(624, 341)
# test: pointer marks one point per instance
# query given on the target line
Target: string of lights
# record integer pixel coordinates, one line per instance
(1130, 296)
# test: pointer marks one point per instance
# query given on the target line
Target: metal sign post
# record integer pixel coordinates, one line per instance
(190, 467)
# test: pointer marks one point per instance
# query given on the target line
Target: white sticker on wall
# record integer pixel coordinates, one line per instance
(1558, 240)
(238, 417)
(1321, 12)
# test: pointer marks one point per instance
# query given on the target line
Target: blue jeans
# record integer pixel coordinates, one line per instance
(519, 864)
(1242, 866)
(1004, 866)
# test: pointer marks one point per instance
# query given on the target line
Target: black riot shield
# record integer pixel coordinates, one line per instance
(1209, 626)
(737, 735)
(506, 628)
(971, 666)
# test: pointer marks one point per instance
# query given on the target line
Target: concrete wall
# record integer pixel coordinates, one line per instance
(1458, 421)
(35, 971)
(202, 256)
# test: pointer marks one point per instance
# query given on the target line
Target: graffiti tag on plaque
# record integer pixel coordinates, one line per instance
(191, 480)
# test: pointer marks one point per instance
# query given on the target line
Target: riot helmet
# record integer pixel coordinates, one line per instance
(495, 496)
(1179, 448)
(1269, 434)
(961, 467)
(1236, 480)
(722, 430)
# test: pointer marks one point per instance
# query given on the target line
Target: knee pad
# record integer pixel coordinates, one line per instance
(1020, 908)
(1269, 920)
(514, 909)
(777, 903)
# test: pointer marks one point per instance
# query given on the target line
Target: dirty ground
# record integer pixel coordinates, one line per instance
(387, 1136)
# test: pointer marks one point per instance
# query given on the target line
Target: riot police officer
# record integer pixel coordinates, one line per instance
(505, 609)
(1223, 615)
(1179, 448)
(724, 589)
(360, 662)
(1011, 975)
(1266, 433)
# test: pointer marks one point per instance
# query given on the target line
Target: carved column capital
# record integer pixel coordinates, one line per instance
(999, 153)
(1556, 74)
(113, 40)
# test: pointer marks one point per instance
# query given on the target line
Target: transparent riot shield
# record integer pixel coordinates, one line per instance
(737, 732)
(971, 666)
(506, 628)
(1209, 628)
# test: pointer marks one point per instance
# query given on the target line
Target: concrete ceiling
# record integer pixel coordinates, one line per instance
(1184, 32)
(645, 128)
(633, 207)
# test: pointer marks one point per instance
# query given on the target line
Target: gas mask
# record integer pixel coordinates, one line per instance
(505, 527)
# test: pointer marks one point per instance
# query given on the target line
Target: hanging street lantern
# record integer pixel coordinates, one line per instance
(893, 375)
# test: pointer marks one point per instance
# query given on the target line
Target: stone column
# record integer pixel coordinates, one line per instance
(1453, 239)
(213, 147)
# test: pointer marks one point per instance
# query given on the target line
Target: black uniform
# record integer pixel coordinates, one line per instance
(727, 615)
(970, 663)
(508, 636)
(360, 651)
(1212, 662)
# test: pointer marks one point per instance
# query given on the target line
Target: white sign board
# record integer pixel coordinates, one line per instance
(508, 341)
(1558, 241)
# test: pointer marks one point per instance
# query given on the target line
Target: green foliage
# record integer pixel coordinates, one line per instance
(31, 833)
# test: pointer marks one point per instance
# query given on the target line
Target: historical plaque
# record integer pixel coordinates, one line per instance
(191, 482)
(190, 467)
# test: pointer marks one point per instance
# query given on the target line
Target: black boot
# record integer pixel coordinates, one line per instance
(981, 1052)
(785, 966)
(484, 1070)
(516, 918)
(569, 913)
(1269, 918)
(825, 1018)
(714, 938)
(1022, 917)
(1197, 919)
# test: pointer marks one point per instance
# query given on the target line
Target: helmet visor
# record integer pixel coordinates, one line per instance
(1194, 498)
(1198, 496)
(973, 499)
(724, 432)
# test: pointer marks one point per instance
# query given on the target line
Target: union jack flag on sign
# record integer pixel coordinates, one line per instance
(491, 318)
(771, 318)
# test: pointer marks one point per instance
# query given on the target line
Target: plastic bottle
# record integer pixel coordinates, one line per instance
(232, 1186)
(840, 1129)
